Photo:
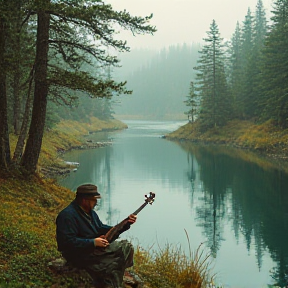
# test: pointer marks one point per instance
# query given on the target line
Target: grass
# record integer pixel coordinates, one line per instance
(27, 243)
(28, 209)
(268, 141)
(27, 230)
(170, 267)
(245, 134)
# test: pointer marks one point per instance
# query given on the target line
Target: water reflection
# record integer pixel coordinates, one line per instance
(252, 198)
(238, 208)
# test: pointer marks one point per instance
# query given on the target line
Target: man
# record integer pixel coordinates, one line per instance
(79, 233)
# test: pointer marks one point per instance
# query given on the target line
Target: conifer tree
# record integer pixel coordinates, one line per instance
(69, 33)
(246, 73)
(4, 133)
(211, 81)
(274, 76)
(259, 35)
(235, 66)
(245, 58)
(192, 103)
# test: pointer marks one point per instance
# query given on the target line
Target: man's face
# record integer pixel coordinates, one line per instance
(92, 203)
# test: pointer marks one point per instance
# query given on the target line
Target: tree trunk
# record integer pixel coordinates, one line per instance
(17, 73)
(36, 131)
(4, 135)
(16, 99)
(24, 127)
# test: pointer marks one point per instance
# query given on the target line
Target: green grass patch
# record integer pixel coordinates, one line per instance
(28, 209)
(244, 134)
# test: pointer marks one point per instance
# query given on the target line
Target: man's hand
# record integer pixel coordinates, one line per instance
(132, 218)
(101, 242)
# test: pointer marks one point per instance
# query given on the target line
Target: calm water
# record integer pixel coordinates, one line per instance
(238, 209)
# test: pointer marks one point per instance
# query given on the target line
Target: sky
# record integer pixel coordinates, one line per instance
(185, 21)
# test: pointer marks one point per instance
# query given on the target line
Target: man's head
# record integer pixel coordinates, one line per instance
(87, 195)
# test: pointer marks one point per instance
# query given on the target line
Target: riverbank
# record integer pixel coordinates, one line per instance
(265, 139)
(66, 136)
(28, 209)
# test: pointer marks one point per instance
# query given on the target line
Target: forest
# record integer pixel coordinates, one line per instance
(55, 52)
(243, 78)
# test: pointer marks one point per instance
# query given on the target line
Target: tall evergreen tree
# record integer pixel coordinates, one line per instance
(4, 133)
(67, 32)
(260, 26)
(246, 73)
(36, 131)
(259, 35)
(274, 76)
(245, 58)
(192, 102)
(211, 81)
(235, 72)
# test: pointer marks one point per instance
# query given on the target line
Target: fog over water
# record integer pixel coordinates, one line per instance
(186, 21)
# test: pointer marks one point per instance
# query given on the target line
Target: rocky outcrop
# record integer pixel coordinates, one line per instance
(81, 277)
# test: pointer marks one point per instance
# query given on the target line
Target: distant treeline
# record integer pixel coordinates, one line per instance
(245, 77)
(160, 85)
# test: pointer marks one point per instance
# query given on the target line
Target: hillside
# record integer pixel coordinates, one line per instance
(28, 209)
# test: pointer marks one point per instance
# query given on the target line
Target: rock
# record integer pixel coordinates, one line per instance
(60, 266)
(131, 279)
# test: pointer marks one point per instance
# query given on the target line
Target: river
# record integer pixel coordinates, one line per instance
(227, 199)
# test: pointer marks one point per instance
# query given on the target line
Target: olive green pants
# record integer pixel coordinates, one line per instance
(110, 263)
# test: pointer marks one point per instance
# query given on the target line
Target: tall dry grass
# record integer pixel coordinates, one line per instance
(170, 267)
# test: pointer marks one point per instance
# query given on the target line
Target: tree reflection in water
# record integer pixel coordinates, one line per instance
(256, 195)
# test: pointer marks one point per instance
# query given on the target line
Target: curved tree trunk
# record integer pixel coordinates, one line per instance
(4, 134)
(24, 127)
(36, 131)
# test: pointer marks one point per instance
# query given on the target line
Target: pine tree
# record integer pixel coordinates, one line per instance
(274, 76)
(245, 59)
(246, 88)
(69, 33)
(4, 133)
(235, 72)
(192, 103)
(259, 35)
(211, 81)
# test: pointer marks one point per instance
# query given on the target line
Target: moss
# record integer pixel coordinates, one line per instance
(28, 209)
(27, 230)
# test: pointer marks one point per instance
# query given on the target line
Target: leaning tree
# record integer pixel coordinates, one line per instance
(69, 34)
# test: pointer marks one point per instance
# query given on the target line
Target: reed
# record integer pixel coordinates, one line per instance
(172, 267)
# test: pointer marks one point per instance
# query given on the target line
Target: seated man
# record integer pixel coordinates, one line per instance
(80, 239)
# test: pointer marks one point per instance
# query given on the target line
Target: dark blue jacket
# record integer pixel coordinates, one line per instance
(75, 232)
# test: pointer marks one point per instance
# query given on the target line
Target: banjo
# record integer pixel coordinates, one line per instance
(124, 225)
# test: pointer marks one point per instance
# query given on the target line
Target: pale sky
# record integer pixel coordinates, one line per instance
(186, 21)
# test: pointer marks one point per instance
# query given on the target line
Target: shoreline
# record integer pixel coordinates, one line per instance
(264, 140)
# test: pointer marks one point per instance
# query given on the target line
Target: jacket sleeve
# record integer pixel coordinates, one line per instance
(102, 228)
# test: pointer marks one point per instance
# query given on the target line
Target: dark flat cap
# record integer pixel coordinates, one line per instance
(88, 191)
